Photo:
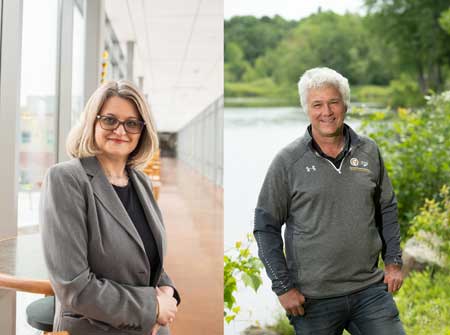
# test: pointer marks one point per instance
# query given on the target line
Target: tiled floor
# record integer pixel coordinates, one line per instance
(193, 214)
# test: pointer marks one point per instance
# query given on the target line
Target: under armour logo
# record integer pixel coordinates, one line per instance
(312, 168)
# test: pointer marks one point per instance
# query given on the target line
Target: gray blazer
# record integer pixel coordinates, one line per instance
(96, 260)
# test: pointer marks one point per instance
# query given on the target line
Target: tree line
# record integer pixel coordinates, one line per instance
(401, 43)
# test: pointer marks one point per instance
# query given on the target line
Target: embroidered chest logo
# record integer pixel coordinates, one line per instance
(357, 165)
(356, 162)
(312, 168)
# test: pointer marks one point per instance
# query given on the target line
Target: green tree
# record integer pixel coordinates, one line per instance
(341, 42)
(444, 21)
(412, 28)
(235, 64)
(255, 36)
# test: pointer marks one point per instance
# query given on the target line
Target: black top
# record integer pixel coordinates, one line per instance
(338, 159)
(133, 206)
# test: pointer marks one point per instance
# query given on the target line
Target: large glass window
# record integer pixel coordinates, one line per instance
(38, 131)
(77, 64)
(38, 101)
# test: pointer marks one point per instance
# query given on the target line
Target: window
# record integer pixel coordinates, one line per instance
(38, 100)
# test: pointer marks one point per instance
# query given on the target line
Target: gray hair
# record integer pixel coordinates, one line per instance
(319, 77)
(81, 143)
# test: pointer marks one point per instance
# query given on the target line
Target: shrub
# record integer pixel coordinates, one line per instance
(239, 264)
(423, 303)
(415, 146)
(424, 296)
(371, 93)
(405, 92)
(282, 325)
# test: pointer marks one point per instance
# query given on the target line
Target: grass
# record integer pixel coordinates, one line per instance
(266, 93)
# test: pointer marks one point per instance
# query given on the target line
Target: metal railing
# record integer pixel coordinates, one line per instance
(200, 142)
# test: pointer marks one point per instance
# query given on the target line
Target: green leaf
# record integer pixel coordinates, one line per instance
(251, 280)
(244, 252)
(236, 309)
(230, 318)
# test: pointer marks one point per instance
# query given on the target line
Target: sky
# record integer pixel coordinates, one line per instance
(289, 9)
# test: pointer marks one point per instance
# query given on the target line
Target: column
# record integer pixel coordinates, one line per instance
(94, 44)
(65, 44)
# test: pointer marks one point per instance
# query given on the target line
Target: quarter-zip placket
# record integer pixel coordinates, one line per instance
(339, 170)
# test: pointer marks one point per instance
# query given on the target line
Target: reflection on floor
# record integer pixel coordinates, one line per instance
(192, 208)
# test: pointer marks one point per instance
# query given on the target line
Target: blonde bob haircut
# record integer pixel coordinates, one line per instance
(81, 140)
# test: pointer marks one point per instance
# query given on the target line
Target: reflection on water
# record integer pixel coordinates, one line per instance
(253, 136)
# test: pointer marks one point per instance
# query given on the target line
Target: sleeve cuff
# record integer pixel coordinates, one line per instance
(282, 289)
(150, 310)
(166, 281)
(396, 260)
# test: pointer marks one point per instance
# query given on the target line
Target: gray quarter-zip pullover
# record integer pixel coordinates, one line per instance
(338, 219)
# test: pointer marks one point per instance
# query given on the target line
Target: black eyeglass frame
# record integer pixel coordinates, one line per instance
(123, 123)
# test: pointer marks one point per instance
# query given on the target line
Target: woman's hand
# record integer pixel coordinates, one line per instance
(167, 290)
(167, 307)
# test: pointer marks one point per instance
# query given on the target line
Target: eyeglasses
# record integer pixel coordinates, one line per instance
(131, 126)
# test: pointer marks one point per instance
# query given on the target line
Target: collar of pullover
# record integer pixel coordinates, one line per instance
(353, 138)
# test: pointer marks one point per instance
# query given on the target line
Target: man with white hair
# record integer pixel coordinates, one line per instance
(331, 189)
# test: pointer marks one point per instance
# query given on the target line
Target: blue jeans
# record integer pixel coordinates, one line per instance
(371, 311)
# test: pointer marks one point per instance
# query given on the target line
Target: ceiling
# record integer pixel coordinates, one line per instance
(178, 51)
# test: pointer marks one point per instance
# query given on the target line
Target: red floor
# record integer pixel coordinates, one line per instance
(192, 208)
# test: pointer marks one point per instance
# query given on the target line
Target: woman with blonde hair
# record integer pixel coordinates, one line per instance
(103, 234)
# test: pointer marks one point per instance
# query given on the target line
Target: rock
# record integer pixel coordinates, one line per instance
(420, 252)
